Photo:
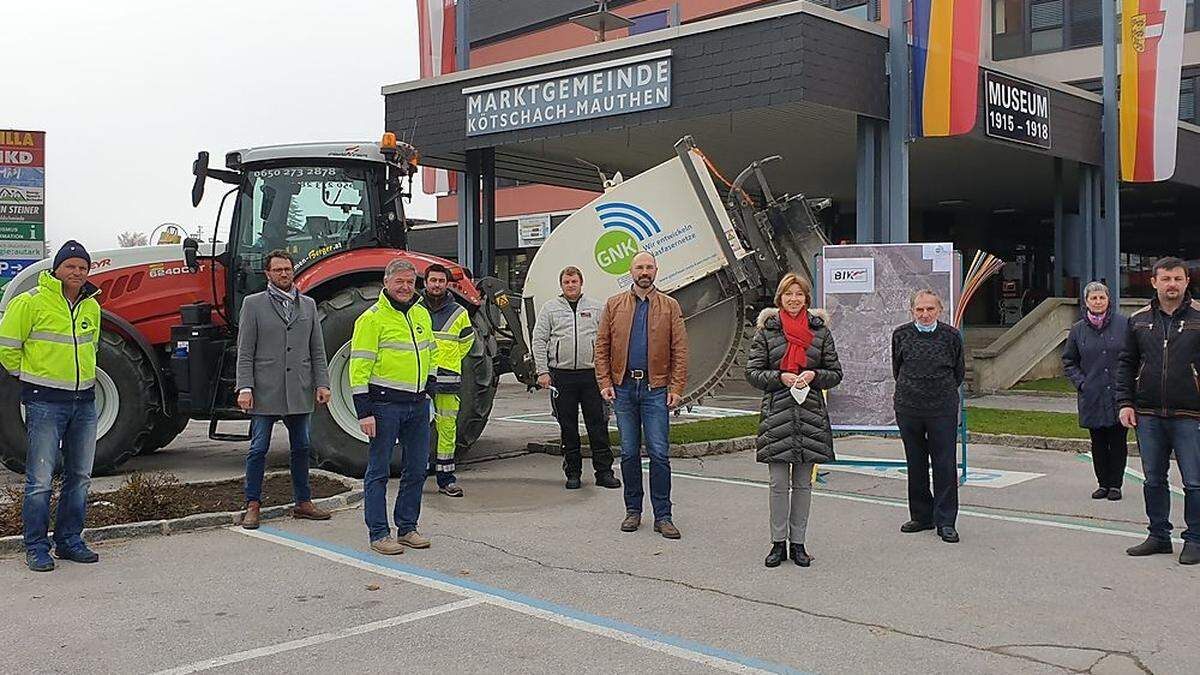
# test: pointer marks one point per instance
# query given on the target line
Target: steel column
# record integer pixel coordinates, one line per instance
(899, 84)
(870, 191)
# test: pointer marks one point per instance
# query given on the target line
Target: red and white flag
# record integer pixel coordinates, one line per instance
(1151, 58)
(437, 38)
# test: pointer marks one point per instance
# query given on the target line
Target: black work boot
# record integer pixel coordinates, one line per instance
(1190, 554)
(777, 555)
(800, 556)
(1151, 546)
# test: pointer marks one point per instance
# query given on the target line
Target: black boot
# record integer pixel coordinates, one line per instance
(1190, 554)
(1151, 546)
(800, 556)
(777, 555)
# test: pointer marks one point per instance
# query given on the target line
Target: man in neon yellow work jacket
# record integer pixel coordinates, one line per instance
(453, 336)
(392, 356)
(48, 340)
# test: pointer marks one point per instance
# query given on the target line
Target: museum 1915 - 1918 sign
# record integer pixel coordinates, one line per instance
(1017, 111)
(617, 87)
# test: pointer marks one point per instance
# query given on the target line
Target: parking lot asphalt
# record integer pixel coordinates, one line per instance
(524, 576)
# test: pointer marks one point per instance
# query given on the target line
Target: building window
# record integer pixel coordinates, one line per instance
(1008, 29)
(650, 22)
(859, 9)
(1187, 99)
(1084, 24)
(1046, 26)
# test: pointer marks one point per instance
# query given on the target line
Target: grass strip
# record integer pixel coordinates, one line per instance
(1057, 385)
(979, 420)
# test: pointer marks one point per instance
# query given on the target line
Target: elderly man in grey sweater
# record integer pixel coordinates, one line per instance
(281, 372)
(564, 337)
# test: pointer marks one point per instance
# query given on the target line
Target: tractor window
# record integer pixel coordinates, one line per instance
(309, 211)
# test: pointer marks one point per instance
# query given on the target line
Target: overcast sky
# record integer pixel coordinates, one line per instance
(129, 90)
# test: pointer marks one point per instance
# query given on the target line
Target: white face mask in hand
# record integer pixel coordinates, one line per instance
(800, 392)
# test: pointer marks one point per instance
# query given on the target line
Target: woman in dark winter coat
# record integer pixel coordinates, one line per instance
(792, 357)
(1090, 363)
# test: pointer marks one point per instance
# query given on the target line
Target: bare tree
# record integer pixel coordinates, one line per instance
(131, 238)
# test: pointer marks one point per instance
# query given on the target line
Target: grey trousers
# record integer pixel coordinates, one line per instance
(790, 497)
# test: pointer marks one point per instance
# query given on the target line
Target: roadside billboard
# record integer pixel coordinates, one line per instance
(22, 200)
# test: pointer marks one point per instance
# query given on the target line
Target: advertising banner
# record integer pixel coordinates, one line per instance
(22, 200)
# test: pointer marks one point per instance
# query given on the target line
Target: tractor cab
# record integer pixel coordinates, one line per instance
(313, 200)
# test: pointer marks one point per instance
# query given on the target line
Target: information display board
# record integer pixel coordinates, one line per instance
(867, 290)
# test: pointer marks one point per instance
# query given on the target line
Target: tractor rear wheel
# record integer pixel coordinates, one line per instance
(127, 403)
(164, 431)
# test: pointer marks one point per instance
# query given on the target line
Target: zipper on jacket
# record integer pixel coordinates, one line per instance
(416, 349)
(1166, 357)
(74, 337)
(575, 332)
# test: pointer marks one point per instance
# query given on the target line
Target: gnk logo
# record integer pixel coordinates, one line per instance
(626, 227)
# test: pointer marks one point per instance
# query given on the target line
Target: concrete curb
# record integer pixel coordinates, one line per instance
(706, 448)
(1024, 392)
(203, 521)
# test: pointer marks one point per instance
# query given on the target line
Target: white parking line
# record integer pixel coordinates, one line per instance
(322, 638)
(712, 657)
(1025, 520)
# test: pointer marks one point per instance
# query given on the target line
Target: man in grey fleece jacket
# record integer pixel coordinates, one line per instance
(564, 337)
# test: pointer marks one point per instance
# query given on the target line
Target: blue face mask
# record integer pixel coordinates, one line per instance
(926, 329)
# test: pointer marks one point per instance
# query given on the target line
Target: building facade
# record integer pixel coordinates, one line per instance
(807, 81)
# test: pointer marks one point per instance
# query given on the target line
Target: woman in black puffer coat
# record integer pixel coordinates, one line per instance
(793, 348)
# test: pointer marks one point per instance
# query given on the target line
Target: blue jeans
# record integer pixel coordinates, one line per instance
(1157, 437)
(407, 423)
(260, 442)
(49, 425)
(642, 415)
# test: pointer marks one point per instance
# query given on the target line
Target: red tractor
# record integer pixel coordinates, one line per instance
(170, 313)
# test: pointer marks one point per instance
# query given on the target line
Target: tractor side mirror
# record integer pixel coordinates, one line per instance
(200, 171)
(190, 248)
(268, 202)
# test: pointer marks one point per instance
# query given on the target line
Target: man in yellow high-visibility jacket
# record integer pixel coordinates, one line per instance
(453, 334)
(392, 353)
(48, 340)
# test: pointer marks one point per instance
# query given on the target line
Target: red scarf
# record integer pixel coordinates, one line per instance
(799, 337)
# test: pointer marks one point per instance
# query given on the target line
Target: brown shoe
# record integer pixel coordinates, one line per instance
(387, 546)
(309, 511)
(250, 518)
(632, 522)
(667, 529)
(413, 539)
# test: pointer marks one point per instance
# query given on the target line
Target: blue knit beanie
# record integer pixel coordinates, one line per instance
(71, 249)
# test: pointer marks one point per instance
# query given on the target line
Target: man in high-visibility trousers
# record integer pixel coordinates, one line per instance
(48, 340)
(454, 337)
(391, 363)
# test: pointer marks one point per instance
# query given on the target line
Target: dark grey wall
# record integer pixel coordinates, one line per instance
(792, 58)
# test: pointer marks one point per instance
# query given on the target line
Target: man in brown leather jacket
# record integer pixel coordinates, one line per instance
(641, 364)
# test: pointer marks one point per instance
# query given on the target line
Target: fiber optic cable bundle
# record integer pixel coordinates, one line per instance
(983, 267)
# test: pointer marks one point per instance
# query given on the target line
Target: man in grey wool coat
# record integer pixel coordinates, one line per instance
(281, 371)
